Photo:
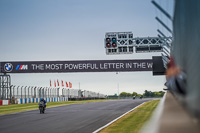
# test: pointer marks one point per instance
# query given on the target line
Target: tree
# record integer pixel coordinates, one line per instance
(162, 93)
(128, 94)
(134, 94)
(157, 94)
(123, 94)
(146, 93)
(153, 94)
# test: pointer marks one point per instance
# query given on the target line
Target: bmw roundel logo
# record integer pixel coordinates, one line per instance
(8, 67)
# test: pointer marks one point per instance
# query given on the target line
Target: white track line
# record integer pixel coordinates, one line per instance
(96, 131)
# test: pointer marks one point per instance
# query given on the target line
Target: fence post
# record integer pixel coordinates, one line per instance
(49, 93)
(54, 92)
(25, 91)
(34, 90)
(40, 92)
(43, 92)
(17, 91)
(58, 92)
(21, 91)
(13, 91)
(63, 92)
(28, 91)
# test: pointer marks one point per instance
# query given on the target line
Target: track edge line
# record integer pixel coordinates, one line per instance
(101, 128)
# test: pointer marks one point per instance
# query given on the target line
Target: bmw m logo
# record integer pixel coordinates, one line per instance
(22, 67)
(8, 67)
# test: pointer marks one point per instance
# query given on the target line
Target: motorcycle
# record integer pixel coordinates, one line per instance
(41, 107)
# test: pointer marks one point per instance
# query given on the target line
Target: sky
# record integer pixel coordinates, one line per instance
(62, 30)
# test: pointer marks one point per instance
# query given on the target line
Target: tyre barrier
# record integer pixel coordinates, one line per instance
(51, 99)
(4, 102)
(36, 100)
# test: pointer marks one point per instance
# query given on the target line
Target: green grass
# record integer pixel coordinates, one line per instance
(6, 109)
(133, 121)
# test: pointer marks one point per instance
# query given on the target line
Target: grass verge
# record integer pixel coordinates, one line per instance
(133, 121)
(7, 109)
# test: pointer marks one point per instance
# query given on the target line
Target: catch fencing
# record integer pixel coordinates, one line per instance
(27, 94)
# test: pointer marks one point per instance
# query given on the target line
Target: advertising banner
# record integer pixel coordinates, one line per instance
(76, 66)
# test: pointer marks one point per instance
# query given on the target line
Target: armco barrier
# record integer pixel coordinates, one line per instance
(4, 102)
(36, 100)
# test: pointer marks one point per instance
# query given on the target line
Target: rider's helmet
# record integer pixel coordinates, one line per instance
(42, 99)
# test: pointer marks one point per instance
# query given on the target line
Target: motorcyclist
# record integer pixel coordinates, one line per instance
(45, 103)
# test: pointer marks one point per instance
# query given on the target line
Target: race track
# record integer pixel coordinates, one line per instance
(77, 118)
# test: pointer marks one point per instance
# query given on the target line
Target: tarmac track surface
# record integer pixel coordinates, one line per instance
(76, 118)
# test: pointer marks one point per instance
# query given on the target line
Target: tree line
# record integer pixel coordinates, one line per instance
(145, 94)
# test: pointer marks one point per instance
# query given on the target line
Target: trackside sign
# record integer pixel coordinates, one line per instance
(76, 66)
